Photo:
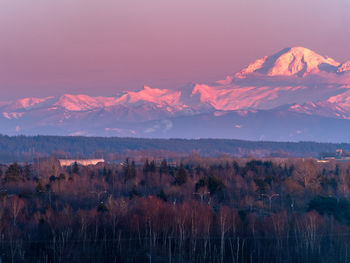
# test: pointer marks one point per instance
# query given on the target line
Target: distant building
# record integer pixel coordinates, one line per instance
(339, 156)
(85, 162)
(339, 152)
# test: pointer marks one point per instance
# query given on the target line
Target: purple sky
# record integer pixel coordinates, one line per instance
(100, 47)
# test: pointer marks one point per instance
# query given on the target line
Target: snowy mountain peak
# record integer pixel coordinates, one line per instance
(296, 61)
(148, 94)
(344, 67)
(80, 102)
(268, 86)
(27, 103)
(77, 102)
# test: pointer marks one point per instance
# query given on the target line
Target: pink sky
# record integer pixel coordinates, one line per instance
(51, 47)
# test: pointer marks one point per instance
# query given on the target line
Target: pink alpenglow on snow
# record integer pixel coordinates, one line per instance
(291, 81)
(100, 48)
(287, 77)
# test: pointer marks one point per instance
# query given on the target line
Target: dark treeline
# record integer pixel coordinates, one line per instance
(198, 210)
(25, 148)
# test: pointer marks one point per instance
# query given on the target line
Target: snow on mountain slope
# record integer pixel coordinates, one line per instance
(297, 61)
(291, 76)
(337, 106)
(71, 102)
(322, 108)
(158, 96)
(235, 97)
(344, 67)
(343, 100)
(26, 103)
(296, 81)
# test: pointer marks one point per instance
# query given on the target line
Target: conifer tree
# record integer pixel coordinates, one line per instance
(40, 188)
(181, 176)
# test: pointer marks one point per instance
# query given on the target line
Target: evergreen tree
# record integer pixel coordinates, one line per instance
(27, 172)
(152, 166)
(129, 169)
(126, 168)
(62, 176)
(164, 169)
(181, 176)
(40, 188)
(146, 167)
(104, 171)
(52, 178)
(102, 207)
(215, 184)
(162, 196)
(13, 172)
(75, 168)
(132, 173)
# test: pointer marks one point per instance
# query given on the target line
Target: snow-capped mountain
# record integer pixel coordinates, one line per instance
(296, 83)
(297, 61)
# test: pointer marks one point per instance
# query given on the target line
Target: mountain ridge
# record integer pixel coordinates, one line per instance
(295, 79)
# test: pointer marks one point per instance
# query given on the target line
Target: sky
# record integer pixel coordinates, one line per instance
(102, 47)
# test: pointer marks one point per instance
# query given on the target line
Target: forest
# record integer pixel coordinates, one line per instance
(190, 209)
(26, 148)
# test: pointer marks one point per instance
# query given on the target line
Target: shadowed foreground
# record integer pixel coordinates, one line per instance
(198, 210)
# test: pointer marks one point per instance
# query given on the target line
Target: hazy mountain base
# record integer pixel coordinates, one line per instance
(271, 125)
(25, 148)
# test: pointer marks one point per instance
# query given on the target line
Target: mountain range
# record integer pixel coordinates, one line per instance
(293, 95)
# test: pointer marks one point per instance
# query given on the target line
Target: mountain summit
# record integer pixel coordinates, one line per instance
(296, 61)
(296, 83)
